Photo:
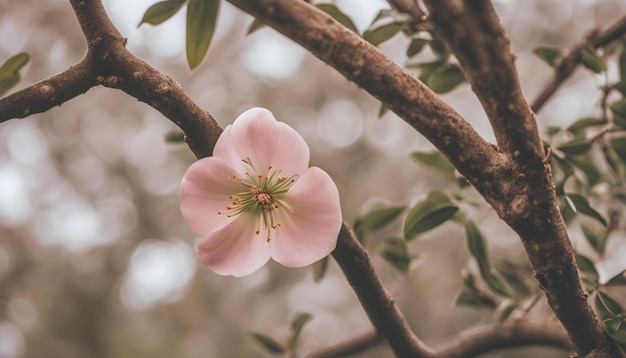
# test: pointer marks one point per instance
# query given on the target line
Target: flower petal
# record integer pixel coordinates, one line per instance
(205, 191)
(257, 135)
(310, 232)
(235, 249)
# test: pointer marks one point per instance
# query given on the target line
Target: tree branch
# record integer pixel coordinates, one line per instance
(110, 64)
(476, 37)
(469, 343)
(49, 93)
(508, 334)
(517, 184)
(379, 305)
(415, 103)
(567, 65)
(473, 32)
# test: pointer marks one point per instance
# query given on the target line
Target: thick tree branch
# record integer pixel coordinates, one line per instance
(110, 64)
(567, 65)
(520, 187)
(474, 34)
(415, 103)
(472, 31)
(379, 305)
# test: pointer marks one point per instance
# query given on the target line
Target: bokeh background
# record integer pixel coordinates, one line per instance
(95, 259)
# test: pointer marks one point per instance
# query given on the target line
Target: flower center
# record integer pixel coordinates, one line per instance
(261, 196)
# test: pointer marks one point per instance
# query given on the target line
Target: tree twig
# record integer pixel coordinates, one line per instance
(508, 334)
(49, 93)
(468, 343)
(567, 65)
(377, 302)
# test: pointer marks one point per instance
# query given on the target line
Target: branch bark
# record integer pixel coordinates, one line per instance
(508, 334)
(110, 64)
(518, 184)
(365, 65)
(469, 343)
(377, 302)
(596, 38)
(472, 31)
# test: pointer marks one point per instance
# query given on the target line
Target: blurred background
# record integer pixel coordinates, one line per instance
(95, 259)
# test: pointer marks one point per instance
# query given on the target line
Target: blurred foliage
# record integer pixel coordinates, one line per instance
(87, 187)
(9, 71)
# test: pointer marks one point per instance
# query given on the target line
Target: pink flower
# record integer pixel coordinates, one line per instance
(257, 198)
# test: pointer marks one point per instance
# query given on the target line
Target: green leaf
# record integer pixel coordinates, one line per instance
(445, 78)
(590, 60)
(587, 166)
(436, 209)
(505, 308)
(478, 248)
(383, 33)
(296, 327)
(336, 14)
(382, 110)
(606, 306)
(581, 205)
(256, 25)
(174, 137)
(622, 71)
(619, 279)
(580, 125)
(516, 276)
(359, 231)
(551, 131)
(613, 161)
(619, 108)
(471, 298)
(395, 251)
(471, 295)
(9, 72)
(619, 146)
(575, 147)
(319, 269)
(270, 345)
(617, 330)
(434, 160)
(201, 22)
(427, 68)
(161, 11)
(598, 242)
(415, 47)
(587, 269)
(549, 54)
(439, 48)
(378, 218)
(564, 165)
